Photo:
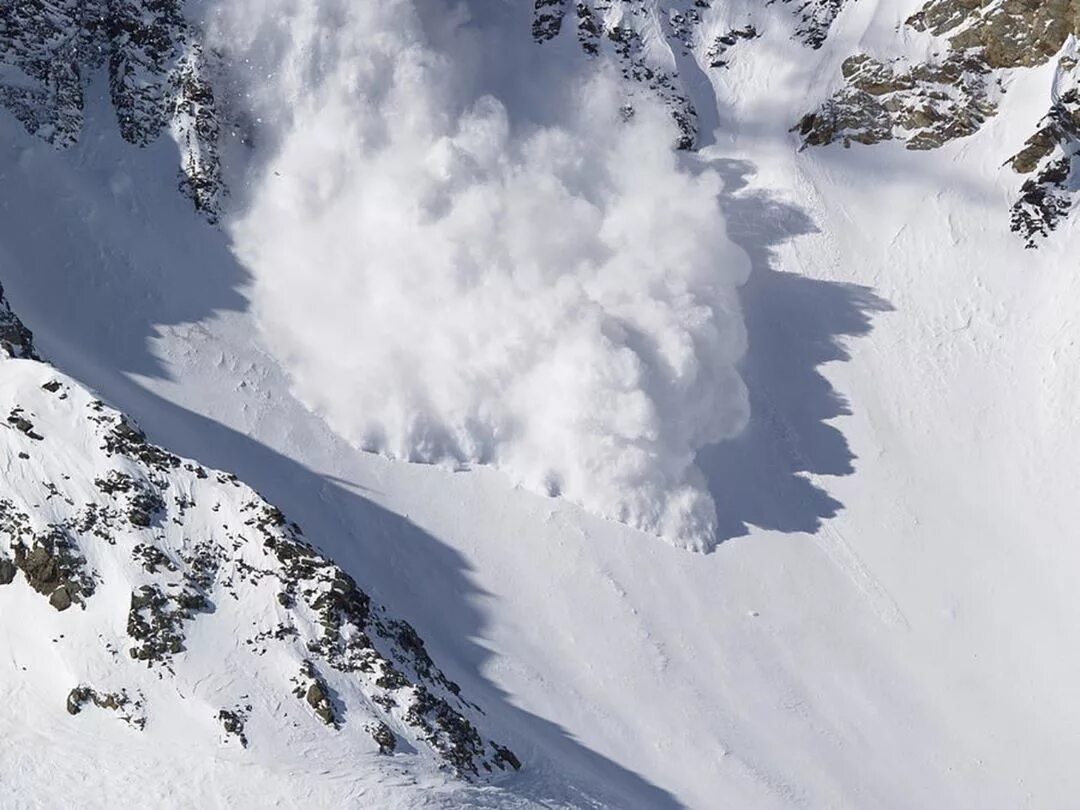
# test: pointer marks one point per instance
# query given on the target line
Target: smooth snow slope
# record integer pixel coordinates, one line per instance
(891, 623)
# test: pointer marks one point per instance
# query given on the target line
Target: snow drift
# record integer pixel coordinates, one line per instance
(449, 279)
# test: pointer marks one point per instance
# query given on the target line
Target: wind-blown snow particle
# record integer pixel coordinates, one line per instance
(449, 284)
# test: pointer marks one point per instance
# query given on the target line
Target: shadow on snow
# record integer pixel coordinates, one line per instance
(88, 266)
(795, 325)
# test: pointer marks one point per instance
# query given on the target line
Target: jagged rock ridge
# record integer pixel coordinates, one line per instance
(1049, 158)
(95, 519)
(49, 49)
(655, 43)
(929, 104)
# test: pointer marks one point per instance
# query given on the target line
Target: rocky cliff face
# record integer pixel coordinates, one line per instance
(1049, 160)
(929, 104)
(160, 80)
(50, 49)
(659, 44)
(163, 569)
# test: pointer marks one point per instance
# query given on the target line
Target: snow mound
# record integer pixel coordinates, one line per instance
(449, 284)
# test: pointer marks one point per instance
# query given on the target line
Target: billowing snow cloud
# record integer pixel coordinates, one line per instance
(450, 279)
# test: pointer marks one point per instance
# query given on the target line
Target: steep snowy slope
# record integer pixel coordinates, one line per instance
(891, 620)
(175, 599)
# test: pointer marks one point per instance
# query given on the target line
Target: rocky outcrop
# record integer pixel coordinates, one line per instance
(179, 550)
(145, 41)
(717, 54)
(929, 104)
(50, 49)
(1005, 33)
(815, 19)
(234, 721)
(626, 30)
(932, 103)
(46, 47)
(196, 128)
(15, 339)
(655, 43)
(548, 19)
(1050, 161)
(925, 105)
(125, 707)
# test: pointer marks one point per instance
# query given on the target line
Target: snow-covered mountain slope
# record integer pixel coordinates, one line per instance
(890, 621)
(171, 598)
(156, 77)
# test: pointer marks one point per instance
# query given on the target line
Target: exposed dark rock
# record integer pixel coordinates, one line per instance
(51, 562)
(815, 20)
(449, 733)
(624, 41)
(926, 105)
(145, 505)
(548, 19)
(312, 688)
(128, 709)
(950, 97)
(197, 124)
(1008, 33)
(15, 339)
(48, 45)
(1052, 157)
(930, 104)
(233, 722)
(156, 621)
(52, 47)
(18, 420)
(126, 439)
(505, 758)
(588, 29)
(383, 736)
(717, 53)
(61, 598)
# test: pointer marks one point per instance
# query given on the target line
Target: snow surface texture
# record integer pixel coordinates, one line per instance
(553, 297)
(893, 622)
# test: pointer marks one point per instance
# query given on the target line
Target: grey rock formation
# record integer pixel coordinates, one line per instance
(184, 545)
(51, 48)
(929, 104)
(1051, 161)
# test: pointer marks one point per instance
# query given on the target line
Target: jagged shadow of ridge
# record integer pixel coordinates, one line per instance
(423, 580)
(795, 324)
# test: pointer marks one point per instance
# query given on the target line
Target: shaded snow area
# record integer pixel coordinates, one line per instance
(166, 609)
(552, 292)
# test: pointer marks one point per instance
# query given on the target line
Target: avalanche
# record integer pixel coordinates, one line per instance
(553, 294)
(891, 621)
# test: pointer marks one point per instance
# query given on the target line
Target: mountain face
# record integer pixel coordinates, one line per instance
(169, 576)
(923, 102)
(156, 77)
(842, 230)
(661, 45)
(951, 95)
(159, 78)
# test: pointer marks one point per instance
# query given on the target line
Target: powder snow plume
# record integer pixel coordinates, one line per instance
(452, 279)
